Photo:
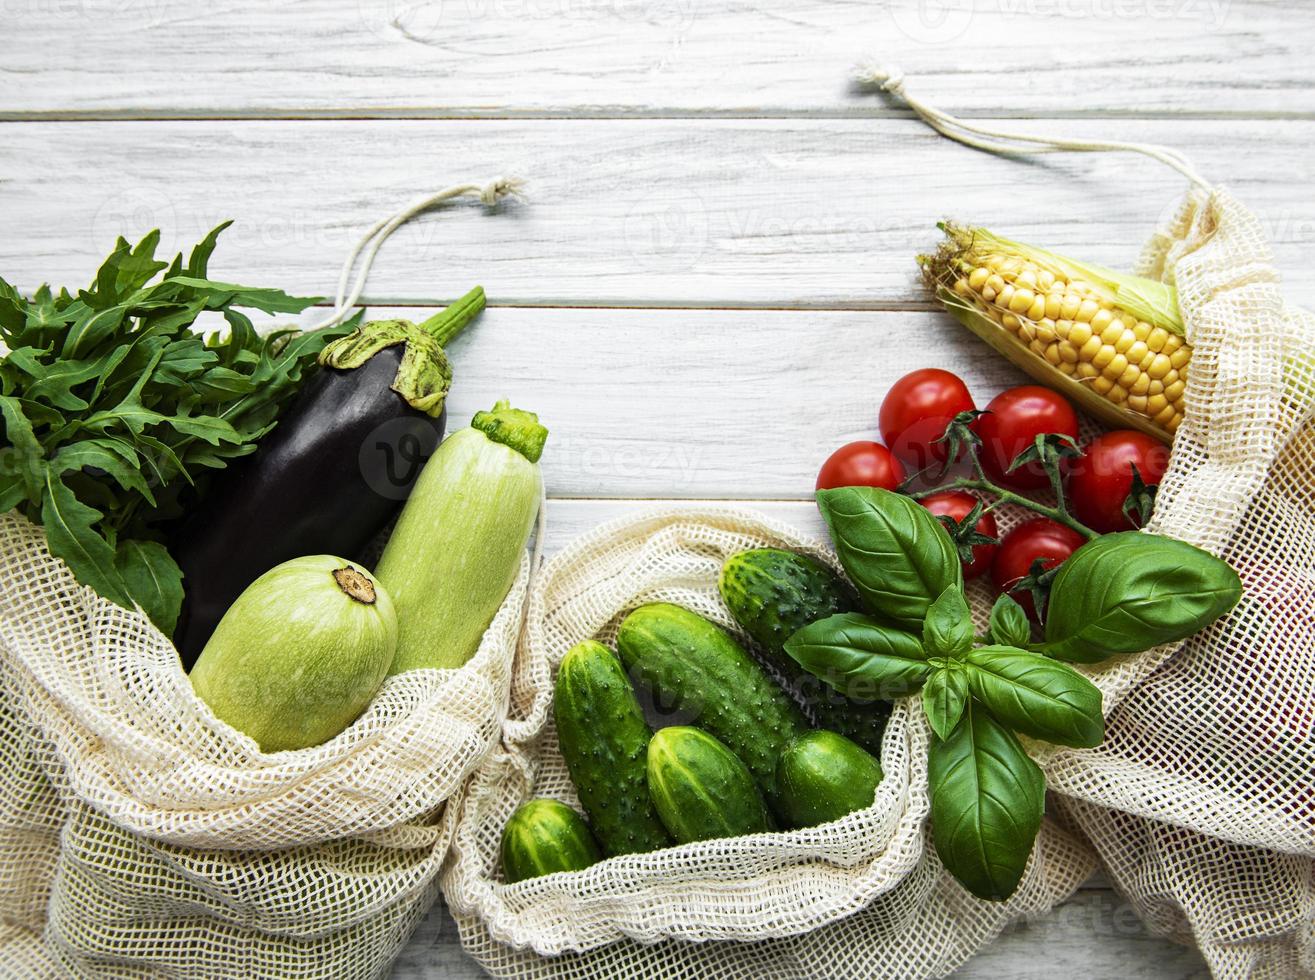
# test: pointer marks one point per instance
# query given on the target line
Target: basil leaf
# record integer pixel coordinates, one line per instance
(1009, 625)
(861, 658)
(987, 800)
(1037, 696)
(153, 579)
(1128, 592)
(944, 697)
(895, 552)
(948, 629)
(71, 536)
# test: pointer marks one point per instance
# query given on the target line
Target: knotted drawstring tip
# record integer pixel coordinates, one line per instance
(888, 79)
(500, 188)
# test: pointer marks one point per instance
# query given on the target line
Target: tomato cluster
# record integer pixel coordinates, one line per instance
(1108, 483)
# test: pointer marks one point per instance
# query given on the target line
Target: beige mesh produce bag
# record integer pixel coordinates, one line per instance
(771, 905)
(1201, 801)
(142, 836)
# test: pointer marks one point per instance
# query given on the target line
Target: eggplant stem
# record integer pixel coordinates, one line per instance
(447, 323)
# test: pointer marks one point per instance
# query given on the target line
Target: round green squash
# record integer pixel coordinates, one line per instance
(300, 654)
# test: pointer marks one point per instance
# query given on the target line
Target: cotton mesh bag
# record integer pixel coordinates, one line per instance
(1200, 802)
(142, 836)
(771, 905)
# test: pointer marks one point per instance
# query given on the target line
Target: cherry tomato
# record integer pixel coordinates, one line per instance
(1037, 538)
(1012, 422)
(861, 464)
(1100, 480)
(957, 504)
(916, 411)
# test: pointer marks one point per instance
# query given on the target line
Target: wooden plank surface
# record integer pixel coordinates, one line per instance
(720, 212)
(711, 283)
(645, 57)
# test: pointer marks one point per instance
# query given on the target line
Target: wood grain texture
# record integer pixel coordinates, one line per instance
(726, 212)
(700, 403)
(647, 57)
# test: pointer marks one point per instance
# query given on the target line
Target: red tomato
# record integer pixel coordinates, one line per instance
(1037, 538)
(1012, 422)
(916, 411)
(957, 504)
(1100, 480)
(861, 464)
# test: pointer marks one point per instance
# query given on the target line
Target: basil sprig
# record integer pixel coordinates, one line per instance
(1118, 594)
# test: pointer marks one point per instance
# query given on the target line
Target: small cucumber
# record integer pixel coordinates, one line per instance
(695, 667)
(773, 593)
(824, 776)
(544, 836)
(701, 788)
(604, 738)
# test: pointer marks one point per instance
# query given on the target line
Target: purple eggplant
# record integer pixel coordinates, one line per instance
(331, 474)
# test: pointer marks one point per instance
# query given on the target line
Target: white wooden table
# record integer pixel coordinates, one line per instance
(711, 283)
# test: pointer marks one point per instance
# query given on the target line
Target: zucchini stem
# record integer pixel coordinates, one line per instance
(447, 323)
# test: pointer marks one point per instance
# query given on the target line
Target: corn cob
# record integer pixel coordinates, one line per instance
(1113, 343)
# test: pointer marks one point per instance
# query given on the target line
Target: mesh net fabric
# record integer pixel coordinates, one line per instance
(1201, 801)
(773, 905)
(141, 836)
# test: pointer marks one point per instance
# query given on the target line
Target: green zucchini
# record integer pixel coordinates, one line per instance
(544, 836)
(701, 788)
(604, 740)
(773, 593)
(824, 776)
(456, 550)
(697, 668)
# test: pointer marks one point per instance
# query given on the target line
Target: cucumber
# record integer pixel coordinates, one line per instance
(824, 776)
(604, 740)
(772, 594)
(695, 667)
(701, 788)
(544, 836)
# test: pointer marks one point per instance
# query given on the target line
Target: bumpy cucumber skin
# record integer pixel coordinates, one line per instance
(545, 836)
(604, 740)
(824, 776)
(772, 594)
(701, 788)
(695, 667)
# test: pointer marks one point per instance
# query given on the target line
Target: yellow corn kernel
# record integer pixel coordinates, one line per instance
(1104, 357)
(1102, 385)
(1079, 333)
(1020, 301)
(1115, 368)
(1142, 384)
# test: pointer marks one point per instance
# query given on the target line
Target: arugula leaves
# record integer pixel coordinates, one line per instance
(114, 408)
(1117, 594)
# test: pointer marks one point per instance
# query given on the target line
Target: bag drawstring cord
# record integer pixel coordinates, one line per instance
(1004, 142)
